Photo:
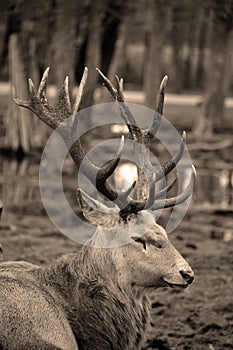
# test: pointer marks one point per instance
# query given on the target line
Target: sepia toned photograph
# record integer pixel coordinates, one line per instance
(116, 175)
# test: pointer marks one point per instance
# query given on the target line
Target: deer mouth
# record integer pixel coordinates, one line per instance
(175, 284)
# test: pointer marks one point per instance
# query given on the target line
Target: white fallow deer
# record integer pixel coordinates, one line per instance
(97, 298)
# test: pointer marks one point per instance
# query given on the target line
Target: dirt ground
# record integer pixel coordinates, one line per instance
(200, 317)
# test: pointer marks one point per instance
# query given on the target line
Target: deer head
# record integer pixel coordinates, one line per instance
(150, 260)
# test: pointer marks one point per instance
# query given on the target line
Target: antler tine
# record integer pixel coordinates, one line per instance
(80, 91)
(161, 94)
(165, 189)
(63, 104)
(169, 166)
(43, 82)
(121, 84)
(147, 136)
(38, 104)
(136, 205)
(18, 101)
(155, 125)
(123, 196)
(117, 95)
(108, 84)
(106, 171)
(159, 108)
(98, 176)
(126, 114)
(32, 90)
(120, 96)
(151, 198)
(171, 202)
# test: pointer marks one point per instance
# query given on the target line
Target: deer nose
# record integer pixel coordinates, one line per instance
(188, 276)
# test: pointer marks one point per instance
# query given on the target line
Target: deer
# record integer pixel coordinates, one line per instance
(97, 298)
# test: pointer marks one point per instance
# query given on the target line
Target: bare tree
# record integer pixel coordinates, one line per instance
(3, 33)
(18, 124)
(218, 68)
(26, 22)
(64, 41)
(157, 22)
(93, 50)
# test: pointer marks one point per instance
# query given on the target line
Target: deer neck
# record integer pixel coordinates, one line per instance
(116, 319)
(94, 296)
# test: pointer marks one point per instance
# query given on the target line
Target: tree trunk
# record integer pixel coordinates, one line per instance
(116, 61)
(93, 51)
(118, 54)
(27, 42)
(18, 123)
(192, 27)
(156, 30)
(177, 39)
(202, 38)
(64, 41)
(218, 78)
(152, 73)
(3, 35)
(203, 127)
(222, 80)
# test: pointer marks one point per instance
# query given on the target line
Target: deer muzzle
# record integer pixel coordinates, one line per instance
(183, 278)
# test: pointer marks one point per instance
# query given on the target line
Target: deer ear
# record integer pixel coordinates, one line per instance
(96, 212)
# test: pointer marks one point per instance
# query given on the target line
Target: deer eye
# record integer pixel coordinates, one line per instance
(159, 244)
(139, 240)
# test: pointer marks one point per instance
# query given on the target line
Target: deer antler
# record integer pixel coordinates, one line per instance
(143, 140)
(64, 120)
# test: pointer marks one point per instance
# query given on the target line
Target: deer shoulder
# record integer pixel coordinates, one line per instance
(31, 313)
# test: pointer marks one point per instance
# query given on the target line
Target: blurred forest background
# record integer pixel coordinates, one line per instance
(140, 40)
